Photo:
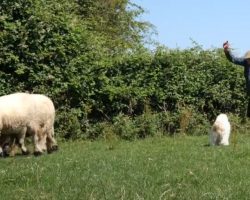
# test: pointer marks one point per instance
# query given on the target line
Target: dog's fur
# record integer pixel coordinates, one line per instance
(220, 131)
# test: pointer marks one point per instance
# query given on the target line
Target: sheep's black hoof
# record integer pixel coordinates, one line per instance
(53, 148)
(49, 151)
(5, 154)
(25, 152)
(37, 153)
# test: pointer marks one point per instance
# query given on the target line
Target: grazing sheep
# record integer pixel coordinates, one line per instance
(24, 114)
(220, 131)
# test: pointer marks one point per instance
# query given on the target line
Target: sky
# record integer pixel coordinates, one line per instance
(207, 22)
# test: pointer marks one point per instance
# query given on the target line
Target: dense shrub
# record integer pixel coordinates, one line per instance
(103, 77)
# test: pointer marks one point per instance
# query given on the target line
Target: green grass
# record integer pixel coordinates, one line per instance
(154, 168)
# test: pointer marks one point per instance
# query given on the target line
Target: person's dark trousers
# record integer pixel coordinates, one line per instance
(245, 112)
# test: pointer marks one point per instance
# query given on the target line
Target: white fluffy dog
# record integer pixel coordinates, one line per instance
(220, 131)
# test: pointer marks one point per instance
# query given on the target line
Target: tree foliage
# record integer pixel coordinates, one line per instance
(116, 21)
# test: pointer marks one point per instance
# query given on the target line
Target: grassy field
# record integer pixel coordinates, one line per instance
(154, 168)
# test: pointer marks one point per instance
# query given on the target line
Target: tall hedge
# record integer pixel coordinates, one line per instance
(56, 48)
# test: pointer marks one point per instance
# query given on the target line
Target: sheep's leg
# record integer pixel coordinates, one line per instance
(37, 150)
(5, 141)
(51, 142)
(39, 139)
(1, 145)
(1, 152)
(21, 141)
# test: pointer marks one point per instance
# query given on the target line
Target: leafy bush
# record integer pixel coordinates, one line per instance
(97, 71)
(125, 127)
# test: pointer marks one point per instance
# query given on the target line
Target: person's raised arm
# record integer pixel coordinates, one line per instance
(230, 56)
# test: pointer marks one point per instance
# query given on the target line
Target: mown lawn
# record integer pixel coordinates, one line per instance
(154, 168)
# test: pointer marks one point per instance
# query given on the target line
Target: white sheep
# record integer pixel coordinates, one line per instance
(24, 114)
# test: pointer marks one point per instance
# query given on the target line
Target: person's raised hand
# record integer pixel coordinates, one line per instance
(226, 46)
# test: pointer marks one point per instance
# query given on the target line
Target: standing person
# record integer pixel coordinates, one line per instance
(243, 61)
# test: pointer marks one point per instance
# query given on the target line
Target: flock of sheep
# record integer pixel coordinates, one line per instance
(25, 115)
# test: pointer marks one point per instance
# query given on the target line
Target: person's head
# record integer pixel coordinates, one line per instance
(247, 57)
